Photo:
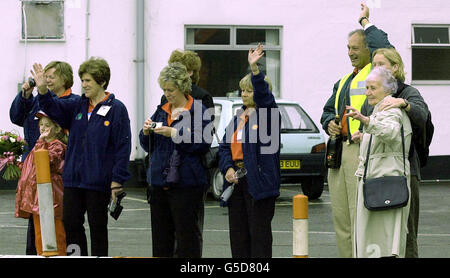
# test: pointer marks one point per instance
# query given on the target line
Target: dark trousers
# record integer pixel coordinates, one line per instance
(413, 220)
(250, 223)
(31, 245)
(176, 229)
(77, 202)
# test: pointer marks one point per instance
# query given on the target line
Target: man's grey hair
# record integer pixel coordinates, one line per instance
(388, 80)
(361, 33)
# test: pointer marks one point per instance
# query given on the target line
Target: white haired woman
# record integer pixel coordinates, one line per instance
(381, 233)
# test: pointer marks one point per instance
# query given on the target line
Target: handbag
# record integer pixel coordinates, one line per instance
(210, 159)
(387, 192)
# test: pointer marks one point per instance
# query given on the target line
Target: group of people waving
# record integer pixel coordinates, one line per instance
(89, 142)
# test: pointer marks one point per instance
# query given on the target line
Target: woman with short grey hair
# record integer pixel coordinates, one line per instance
(381, 233)
(387, 79)
(176, 175)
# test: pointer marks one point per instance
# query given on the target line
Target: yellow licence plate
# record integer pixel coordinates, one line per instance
(290, 164)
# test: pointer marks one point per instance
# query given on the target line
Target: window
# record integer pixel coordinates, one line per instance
(42, 20)
(293, 118)
(430, 53)
(223, 51)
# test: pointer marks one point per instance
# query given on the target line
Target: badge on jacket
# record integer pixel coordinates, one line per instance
(103, 110)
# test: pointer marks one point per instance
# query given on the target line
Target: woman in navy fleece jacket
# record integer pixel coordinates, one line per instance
(176, 205)
(251, 207)
(98, 152)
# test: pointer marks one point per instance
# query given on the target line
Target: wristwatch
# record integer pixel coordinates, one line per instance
(406, 104)
(361, 19)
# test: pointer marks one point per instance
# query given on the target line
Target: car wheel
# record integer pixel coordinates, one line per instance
(312, 187)
(216, 183)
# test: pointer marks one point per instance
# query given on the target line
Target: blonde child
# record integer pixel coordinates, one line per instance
(53, 139)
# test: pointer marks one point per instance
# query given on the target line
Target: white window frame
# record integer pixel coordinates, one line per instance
(429, 45)
(233, 44)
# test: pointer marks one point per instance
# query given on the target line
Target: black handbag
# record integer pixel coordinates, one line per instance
(210, 159)
(387, 192)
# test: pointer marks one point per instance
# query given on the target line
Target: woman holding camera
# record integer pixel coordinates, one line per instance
(97, 157)
(174, 138)
(59, 80)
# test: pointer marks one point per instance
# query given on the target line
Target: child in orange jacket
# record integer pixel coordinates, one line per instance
(51, 139)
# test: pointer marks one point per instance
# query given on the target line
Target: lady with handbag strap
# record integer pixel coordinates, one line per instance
(383, 147)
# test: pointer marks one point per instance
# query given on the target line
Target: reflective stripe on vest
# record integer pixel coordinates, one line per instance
(357, 94)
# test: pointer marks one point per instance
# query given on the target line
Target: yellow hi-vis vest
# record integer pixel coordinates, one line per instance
(357, 94)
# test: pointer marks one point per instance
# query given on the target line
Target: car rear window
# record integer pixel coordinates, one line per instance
(293, 119)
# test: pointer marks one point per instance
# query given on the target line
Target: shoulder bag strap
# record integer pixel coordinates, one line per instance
(367, 158)
(368, 154)
(403, 149)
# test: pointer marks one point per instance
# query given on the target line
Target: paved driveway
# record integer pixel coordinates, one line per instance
(131, 234)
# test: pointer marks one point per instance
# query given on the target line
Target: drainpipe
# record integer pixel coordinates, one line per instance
(140, 78)
(88, 13)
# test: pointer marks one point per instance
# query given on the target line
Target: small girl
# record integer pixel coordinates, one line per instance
(51, 139)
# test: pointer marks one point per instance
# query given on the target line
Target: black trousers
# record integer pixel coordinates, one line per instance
(77, 202)
(31, 244)
(250, 223)
(412, 250)
(175, 218)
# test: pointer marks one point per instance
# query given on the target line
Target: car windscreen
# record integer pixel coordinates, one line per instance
(293, 119)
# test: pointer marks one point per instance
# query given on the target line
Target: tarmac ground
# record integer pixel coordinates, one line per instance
(130, 236)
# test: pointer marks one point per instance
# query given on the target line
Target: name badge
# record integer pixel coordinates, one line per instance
(103, 110)
(239, 135)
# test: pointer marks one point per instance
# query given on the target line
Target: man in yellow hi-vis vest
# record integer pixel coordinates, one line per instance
(349, 90)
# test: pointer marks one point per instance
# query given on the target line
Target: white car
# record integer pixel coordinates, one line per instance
(302, 148)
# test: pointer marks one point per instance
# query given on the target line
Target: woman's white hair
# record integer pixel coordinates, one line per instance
(388, 80)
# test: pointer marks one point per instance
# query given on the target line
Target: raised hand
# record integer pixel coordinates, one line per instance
(364, 13)
(255, 55)
(38, 74)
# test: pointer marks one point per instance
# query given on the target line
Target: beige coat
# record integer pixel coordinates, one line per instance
(382, 233)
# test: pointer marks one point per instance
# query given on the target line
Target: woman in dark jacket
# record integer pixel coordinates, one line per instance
(59, 78)
(252, 204)
(174, 138)
(97, 157)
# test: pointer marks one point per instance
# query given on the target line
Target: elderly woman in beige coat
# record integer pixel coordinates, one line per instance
(381, 233)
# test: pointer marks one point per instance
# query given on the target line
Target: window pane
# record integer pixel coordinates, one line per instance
(208, 36)
(293, 118)
(430, 63)
(44, 20)
(255, 36)
(223, 69)
(431, 35)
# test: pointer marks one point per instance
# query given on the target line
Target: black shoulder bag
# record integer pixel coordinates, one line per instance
(387, 192)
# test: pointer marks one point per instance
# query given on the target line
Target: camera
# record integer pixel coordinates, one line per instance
(31, 82)
(156, 125)
(114, 206)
